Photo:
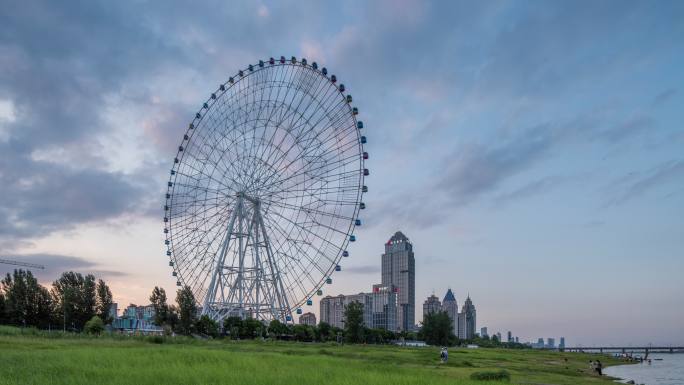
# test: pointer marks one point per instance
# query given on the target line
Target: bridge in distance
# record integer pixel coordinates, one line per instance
(625, 349)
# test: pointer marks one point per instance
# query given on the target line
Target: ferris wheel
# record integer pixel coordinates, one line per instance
(265, 191)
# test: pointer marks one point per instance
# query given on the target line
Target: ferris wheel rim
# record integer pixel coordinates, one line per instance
(197, 121)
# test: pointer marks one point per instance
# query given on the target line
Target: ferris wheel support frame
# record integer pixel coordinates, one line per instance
(274, 301)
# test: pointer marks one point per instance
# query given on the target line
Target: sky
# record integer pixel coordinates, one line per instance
(533, 152)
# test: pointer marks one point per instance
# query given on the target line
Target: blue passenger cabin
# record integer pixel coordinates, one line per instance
(333, 78)
(288, 318)
(328, 281)
(170, 263)
(364, 189)
(271, 61)
(357, 222)
(359, 124)
(261, 63)
(366, 172)
(341, 87)
(299, 310)
(349, 100)
(363, 140)
(324, 70)
(365, 155)
(319, 292)
(352, 238)
(345, 253)
(174, 274)
(338, 268)
(168, 252)
(309, 302)
(362, 205)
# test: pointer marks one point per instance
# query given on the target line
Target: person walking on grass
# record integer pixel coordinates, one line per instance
(444, 355)
(599, 367)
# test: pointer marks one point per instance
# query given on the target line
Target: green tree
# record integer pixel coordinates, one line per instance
(161, 308)
(437, 329)
(278, 328)
(251, 328)
(94, 326)
(206, 325)
(323, 332)
(104, 302)
(353, 326)
(187, 310)
(75, 297)
(2, 307)
(232, 326)
(25, 301)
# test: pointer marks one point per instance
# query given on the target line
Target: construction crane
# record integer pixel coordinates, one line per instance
(24, 264)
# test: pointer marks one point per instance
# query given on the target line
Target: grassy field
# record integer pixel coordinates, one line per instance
(36, 359)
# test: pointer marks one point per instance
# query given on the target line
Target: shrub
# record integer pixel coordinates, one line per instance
(94, 326)
(500, 375)
(156, 339)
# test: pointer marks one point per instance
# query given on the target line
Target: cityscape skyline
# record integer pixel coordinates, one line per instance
(532, 150)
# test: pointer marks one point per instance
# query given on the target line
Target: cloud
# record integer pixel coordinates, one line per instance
(637, 184)
(56, 264)
(535, 187)
(475, 169)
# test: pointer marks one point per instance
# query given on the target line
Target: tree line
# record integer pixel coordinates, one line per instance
(77, 302)
(72, 301)
(437, 330)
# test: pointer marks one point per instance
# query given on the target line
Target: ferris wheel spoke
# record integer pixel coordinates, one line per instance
(287, 241)
(308, 150)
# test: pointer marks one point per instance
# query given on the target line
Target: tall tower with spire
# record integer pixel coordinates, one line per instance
(450, 306)
(399, 271)
(467, 320)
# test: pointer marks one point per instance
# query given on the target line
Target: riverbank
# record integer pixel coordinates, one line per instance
(665, 369)
(38, 359)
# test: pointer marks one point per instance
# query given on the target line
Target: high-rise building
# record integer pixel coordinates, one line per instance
(517, 340)
(332, 310)
(379, 308)
(498, 336)
(551, 343)
(431, 305)
(483, 332)
(399, 270)
(384, 307)
(467, 321)
(450, 306)
(540, 343)
(561, 344)
(307, 319)
(510, 336)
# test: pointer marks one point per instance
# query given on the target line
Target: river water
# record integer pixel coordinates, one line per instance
(669, 371)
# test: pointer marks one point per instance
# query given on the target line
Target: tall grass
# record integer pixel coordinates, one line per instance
(35, 357)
